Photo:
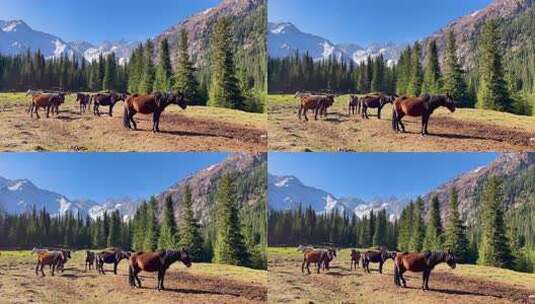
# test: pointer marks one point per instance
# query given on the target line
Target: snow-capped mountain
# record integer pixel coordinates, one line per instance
(285, 39)
(288, 192)
(17, 37)
(122, 49)
(20, 196)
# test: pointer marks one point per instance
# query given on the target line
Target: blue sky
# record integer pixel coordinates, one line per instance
(366, 21)
(372, 175)
(99, 176)
(99, 20)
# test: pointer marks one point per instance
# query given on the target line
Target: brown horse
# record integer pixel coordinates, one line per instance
(355, 259)
(110, 257)
(318, 256)
(153, 104)
(353, 106)
(84, 100)
(89, 259)
(155, 262)
(106, 99)
(419, 106)
(420, 262)
(51, 258)
(50, 101)
(317, 103)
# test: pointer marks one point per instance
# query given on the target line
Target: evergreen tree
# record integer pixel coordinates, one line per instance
(378, 80)
(147, 80)
(168, 231)
(432, 78)
(140, 224)
(418, 228)
(110, 73)
(224, 87)
(185, 81)
(229, 247)
(379, 236)
(492, 93)
(433, 232)
(494, 249)
(114, 236)
(164, 71)
(405, 225)
(190, 234)
(455, 238)
(453, 81)
(414, 87)
(150, 242)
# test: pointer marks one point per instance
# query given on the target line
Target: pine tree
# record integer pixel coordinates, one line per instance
(453, 80)
(168, 231)
(433, 232)
(164, 71)
(492, 93)
(378, 80)
(418, 229)
(455, 238)
(494, 249)
(150, 242)
(147, 79)
(185, 81)
(110, 73)
(229, 247)
(190, 234)
(432, 78)
(379, 236)
(224, 87)
(114, 236)
(405, 224)
(414, 87)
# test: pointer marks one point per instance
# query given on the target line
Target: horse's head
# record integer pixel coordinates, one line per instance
(184, 257)
(450, 259)
(179, 100)
(449, 102)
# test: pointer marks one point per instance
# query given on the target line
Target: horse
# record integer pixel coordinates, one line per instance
(376, 102)
(304, 249)
(331, 254)
(355, 259)
(52, 258)
(318, 103)
(84, 100)
(353, 106)
(39, 250)
(89, 259)
(106, 99)
(419, 106)
(380, 257)
(158, 261)
(318, 256)
(420, 262)
(154, 103)
(32, 93)
(50, 101)
(110, 257)
(61, 263)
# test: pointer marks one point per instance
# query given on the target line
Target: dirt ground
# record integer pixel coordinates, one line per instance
(19, 284)
(196, 129)
(340, 285)
(464, 130)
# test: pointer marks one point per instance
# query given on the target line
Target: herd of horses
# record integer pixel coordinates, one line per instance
(423, 262)
(417, 106)
(158, 261)
(154, 104)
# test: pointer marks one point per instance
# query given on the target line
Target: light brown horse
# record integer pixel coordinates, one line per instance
(423, 106)
(154, 104)
(158, 261)
(50, 101)
(321, 257)
(355, 259)
(317, 103)
(51, 258)
(420, 262)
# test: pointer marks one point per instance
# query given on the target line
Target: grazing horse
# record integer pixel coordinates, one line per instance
(89, 259)
(318, 103)
(353, 106)
(110, 257)
(420, 262)
(155, 262)
(375, 102)
(419, 106)
(52, 258)
(318, 256)
(84, 100)
(355, 259)
(50, 101)
(380, 257)
(146, 104)
(108, 99)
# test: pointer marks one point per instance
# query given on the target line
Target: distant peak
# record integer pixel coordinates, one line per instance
(282, 28)
(13, 25)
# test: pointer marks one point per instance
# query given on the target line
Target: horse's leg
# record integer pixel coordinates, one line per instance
(42, 271)
(427, 124)
(37, 268)
(163, 278)
(111, 109)
(136, 277)
(379, 113)
(155, 121)
(401, 272)
(424, 277)
(299, 111)
(316, 111)
(159, 280)
(115, 268)
(381, 267)
(427, 279)
(132, 120)
(305, 110)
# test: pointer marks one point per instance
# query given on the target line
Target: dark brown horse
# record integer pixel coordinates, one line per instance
(106, 99)
(353, 106)
(419, 106)
(155, 262)
(331, 254)
(420, 262)
(89, 259)
(355, 259)
(50, 101)
(380, 257)
(61, 263)
(51, 258)
(375, 102)
(317, 103)
(153, 104)
(110, 257)
(84, 100)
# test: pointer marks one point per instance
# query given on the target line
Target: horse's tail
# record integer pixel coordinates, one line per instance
(126, 117)
(130, 275)
(394, 119)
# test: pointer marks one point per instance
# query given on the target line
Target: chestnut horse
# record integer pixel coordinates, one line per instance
(353, 106)
(89, 259)
(84, 100)
(50, 101)
(420, 262)
(318, 256)
(355, 259)
(154, 103)
(419, 106)
(51, 258)
(155, 262)
(107, 99)
(317, 103)
(380, 257)
(110, 257)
